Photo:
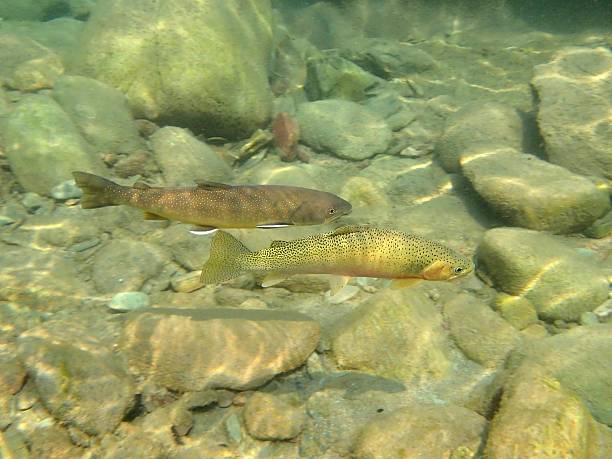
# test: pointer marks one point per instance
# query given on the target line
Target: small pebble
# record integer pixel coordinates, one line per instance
(6, 220)
(66, 190)
(32, 201)
(232, 424)
(604, 311)
(348, 292)
(588, 318)
(129, 301)
(82, 246)
(186, 283)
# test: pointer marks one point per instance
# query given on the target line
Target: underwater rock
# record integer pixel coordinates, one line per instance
(270, 417)
(78, 377)
(580, 360)
(38, 120)
(216, 348)
(37, 74)
(100, 112)
(183, 158)
(397, 334)
(43, 10)
(574, 111)
(346, 129)
(532, 193)
(333, 77)
(187, 250)
(66, 190)
(479, 332)
(204, 68)
(422, 431)
(539, 417)
(286, 136)
(129, 301)
(536, 266)
(477, 125)
(600, 228)
(39, 279)
(516, 310)
(125, 265)
(389, 58)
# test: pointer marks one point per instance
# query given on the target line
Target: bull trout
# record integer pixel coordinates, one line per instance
(211, 205)
(348, 251)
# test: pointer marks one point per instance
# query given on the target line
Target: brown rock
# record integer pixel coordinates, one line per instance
(269, 417)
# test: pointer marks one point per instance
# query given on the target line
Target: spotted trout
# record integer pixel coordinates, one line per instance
(211, 205)
(348, 251)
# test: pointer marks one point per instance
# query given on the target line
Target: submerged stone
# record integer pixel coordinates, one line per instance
(216, 348)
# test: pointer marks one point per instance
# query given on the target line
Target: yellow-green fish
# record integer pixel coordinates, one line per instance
(348, 251)
(211, 205)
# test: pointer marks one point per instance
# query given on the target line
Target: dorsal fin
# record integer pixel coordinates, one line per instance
(141, 185)
(278, 243)
(349, 229)
(208, 185)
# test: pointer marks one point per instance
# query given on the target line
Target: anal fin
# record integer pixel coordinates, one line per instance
(273, 278)
(404, 283)
(152, 216)
(203, 230)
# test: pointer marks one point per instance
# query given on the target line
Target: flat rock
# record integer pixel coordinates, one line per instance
(183, 158)
(270, 417)
(574, 112)
(212, 76)
(216, 348)
(344, 128)
(537, 266)
(78, 377)
(580, 360)
(39, 279)
(422, 432)
(538, 418)
(476, 125)
(100, 112)
(532, 193)
(481, 334)
(125, 265)
(38, 120)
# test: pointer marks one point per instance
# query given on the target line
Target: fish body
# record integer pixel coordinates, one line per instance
(217, 205)
(348, 251)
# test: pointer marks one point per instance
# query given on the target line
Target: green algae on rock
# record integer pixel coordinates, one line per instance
(43, 145)
(199, 64)
(531, 193)
(537, 266)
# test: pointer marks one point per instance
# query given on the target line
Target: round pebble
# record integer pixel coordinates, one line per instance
(129, 301)
(32, 201)
(588, 318)
(66, 190)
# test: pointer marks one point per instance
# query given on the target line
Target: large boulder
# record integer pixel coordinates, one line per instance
(43, 146)
(78, 377)
(552, 276)
(183, 158)
(422, 432)
(344, 128)
(196, 349)
(574, 112)
(532, 193)
(476, 125)
(100, 112)
(196, 63)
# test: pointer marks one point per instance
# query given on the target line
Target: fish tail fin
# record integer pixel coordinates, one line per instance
(224, 261)
(97, 191)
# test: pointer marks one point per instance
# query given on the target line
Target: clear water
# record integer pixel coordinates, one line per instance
(482, 126)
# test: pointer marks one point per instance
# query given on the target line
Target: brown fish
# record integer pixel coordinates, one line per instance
(211, 205)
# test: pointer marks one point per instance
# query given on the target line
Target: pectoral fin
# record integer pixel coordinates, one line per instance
(152, 216)
(403, 283)
(434, 271)
(273, 225)
(337, 283)
(208, 185)
(203, 230)
(273, 278)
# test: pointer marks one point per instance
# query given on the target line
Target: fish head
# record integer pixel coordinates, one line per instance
(324, 208)
(447, 265)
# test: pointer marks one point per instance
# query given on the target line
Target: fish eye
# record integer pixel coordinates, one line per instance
(458, 270)
(331, 211)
